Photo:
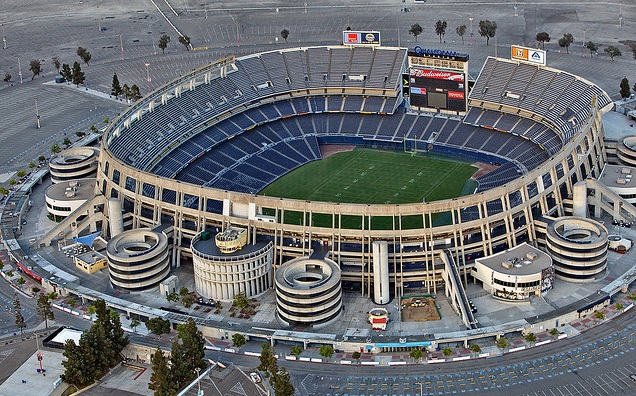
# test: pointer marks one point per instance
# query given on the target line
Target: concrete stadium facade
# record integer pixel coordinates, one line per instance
(500, 218)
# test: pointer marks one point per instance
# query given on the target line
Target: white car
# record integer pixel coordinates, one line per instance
(255, 377)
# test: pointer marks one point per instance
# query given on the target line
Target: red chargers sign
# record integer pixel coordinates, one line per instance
(455, 95)
(437, 74)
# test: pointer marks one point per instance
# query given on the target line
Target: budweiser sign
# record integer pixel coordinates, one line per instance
(437, 74)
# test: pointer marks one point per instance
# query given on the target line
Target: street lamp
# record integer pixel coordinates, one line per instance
(148, 75)
(471, 30)
(200, 392)
(4, 39)
(20, 70)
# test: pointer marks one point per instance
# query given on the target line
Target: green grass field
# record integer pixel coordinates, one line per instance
(373, 177)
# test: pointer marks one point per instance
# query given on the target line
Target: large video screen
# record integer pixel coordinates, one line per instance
(437, 89)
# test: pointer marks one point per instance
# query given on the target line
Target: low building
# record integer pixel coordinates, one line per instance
(91, 261)
(515, 274)
(65, 198)
(620, 179)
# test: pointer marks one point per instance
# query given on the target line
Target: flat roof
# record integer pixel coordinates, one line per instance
(618, 176)
(523, 265)
(84, 189)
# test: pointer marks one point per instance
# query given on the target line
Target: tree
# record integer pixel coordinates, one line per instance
(474, 348)
(32, 165)
(21, 281)
(7, 77)
(185, 40)
(326, 351)
(297, 350)
(281, 382)
(4, 192)
(84, 55)
(187, 353)
(530, 337)
(268, 363)
(76, 368)
(487, 29)
(416, 354)
(56, 62)
(554, 332)
(80, 134)
(599, 315)
(115, 86)
(135, 95)
(619, 306)
(133, 324)
(502, 343)
(67, 142)
(592, 47)
(109, 327)
(17, 310)
(91, 309)
(158, 326)
(187, 300)
(241, 300)
(36, 68)
(172, 297)
(613, 51)
(284, 34)
(71, 302)
(625, 88)
(163, 42)
(633, 48)
(566, 41)
(44, 309)
(543, 37)
(356, 355)
(21, 173)
(55, 148)
(77, 74)
(416, 30)
(41, 158)
(125, 90)
(66, 72)
(440, 29)
(461, 30)
(161, 379)
(238, 340)
(183, 291)
(447, 352)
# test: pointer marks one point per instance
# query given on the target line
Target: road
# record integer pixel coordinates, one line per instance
(598, 362)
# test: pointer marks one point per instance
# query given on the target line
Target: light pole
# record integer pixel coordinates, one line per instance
(199, 392)
(471, 30)
(20, 70)
(4, 39)
(238, 36)
(148, 80)
(121, 44)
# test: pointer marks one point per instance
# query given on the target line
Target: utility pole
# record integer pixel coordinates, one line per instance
(121, 44)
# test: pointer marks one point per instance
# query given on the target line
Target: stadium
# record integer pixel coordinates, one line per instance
(194, 155)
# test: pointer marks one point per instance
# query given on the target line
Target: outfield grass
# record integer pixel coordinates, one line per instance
(373, 177)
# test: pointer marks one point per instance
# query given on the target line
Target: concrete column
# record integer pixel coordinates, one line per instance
(115, 218)
(579, 199)
(381, 272)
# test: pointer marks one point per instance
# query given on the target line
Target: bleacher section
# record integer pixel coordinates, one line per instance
(561, 98)
(257, 78)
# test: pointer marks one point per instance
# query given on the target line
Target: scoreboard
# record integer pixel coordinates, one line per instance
(436, 80)
(437, 89)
